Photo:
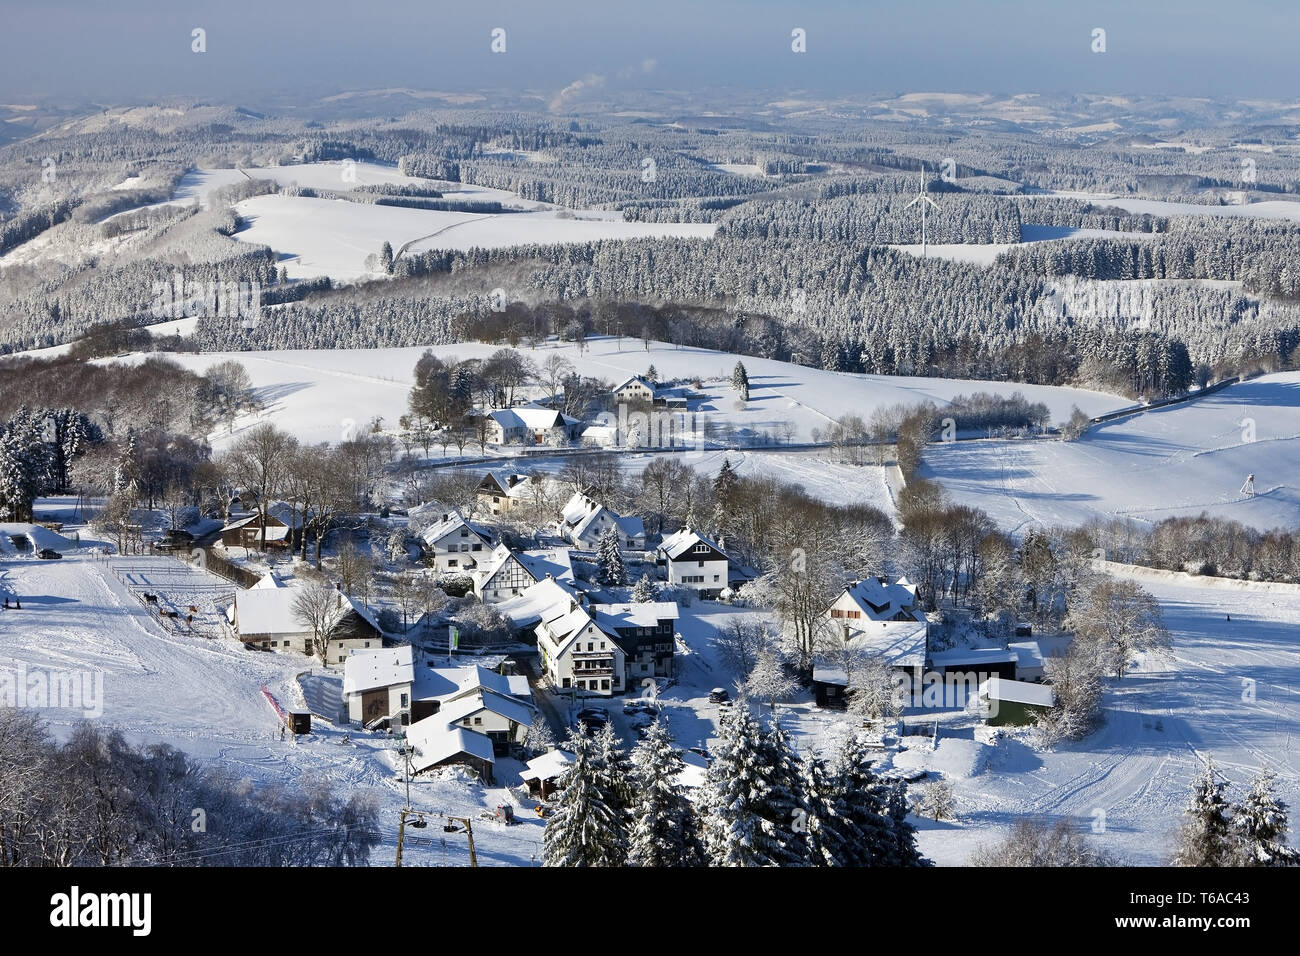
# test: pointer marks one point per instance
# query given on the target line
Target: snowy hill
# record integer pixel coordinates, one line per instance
(1175, 461)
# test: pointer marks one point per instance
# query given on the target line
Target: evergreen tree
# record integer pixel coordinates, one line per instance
(645, 590)
(664, 829)
(584, 830)
(386, 256)
(783, 809)
(1261, 823)
(740, 381)
(652, 375)
(609, 560)
(1206, 838)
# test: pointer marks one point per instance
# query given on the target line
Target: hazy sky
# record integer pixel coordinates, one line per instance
(112, 50)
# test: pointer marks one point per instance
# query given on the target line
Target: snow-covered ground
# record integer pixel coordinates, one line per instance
(1175, 461)
(1132, 778)
(203, 695)
(318, 393)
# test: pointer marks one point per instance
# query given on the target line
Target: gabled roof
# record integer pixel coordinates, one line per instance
(972, 657)
(433, 742)
(237, 523)
(506, 483)
(635, 378)
(270, 611)
(553, 561)
(530, 417)
(581, 512)
(681, 542)
(565, 623)
(880, 600)
(537, 601)
(450, 521)
(503, 705)
(268, 580)
(370, 669)
(549, 766)
(1028, 653)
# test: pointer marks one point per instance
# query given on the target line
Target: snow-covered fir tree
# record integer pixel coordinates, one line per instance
(1206, 837)
(645, 590)
(585, 829)
(1261, 823)
(740, 381)
(396, 544)
(664, 827)
(609, 560)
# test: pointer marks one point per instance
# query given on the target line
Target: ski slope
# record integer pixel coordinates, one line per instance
(1133, 777)
(1175, 461)
(204, 697)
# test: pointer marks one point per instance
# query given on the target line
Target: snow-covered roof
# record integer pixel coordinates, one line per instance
(646, 614)
(681, 542)
(972, 657)
(638, 380)
(880, 600)
(519, 686)
(267, 581)
(1028, 653)
(482, 699)
(900, 643)
(270, 611)
(450, 521)
(433, 742)
(532, 417)
(369, 669)
(565, 623)
(536, 602)
(236, 523)
(828, 674)
(1018, 692)
(548, 766)
(543, 561)
(510, 484)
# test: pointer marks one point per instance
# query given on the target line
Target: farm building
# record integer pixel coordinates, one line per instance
(1014, 702)
(265, 616)
(530, 425)
(434, 744)
(1029, 660)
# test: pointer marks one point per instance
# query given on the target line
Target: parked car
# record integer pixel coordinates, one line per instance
(48, 554)
(591, 721)
(719, 695)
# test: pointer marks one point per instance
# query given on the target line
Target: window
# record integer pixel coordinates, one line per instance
(478, 720)
(701, 549)
(701, 562)
(464, 532)
(566, 682)
(715, 577)
(451, 562)
(406, 700)
(477, 547)
(591, 645)
(604, 685)
(602, 645)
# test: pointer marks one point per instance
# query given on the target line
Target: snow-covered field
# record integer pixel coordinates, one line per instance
(318, 393)
(1176, 461)
(1132, 778)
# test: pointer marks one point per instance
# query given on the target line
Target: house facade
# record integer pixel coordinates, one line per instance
(502, 493)
(583, 521)
(454, 544)
(695, 562)
(645, 632)
(265, 618)
(577, 655)
(530, 425)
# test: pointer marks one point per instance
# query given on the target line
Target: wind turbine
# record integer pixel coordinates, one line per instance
(923, 198)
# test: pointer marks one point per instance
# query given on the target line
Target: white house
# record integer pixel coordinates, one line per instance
(576, 653)
(455, 544)
(377, 683)
(583, 521)
(503, 718)
(531, 425)
(265, 617)
(694, 561)
(536, 601)
(505, 574)
(881, 618)
(634, 389)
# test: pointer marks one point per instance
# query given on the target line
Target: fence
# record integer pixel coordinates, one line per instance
(225, 568)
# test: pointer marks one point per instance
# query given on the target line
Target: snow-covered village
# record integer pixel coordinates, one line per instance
(636, 471)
